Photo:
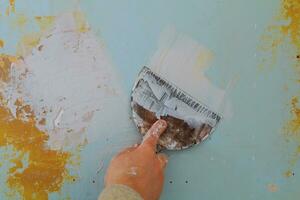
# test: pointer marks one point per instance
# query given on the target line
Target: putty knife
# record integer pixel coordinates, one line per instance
(189, 120)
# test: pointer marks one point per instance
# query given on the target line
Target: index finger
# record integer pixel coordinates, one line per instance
(152, 136)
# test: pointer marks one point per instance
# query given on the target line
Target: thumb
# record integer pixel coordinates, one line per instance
(152, 136)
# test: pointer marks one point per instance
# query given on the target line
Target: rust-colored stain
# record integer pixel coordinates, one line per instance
(38, 170)
(290, 12)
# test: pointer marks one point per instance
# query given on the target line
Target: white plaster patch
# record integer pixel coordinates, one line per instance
(72, 84)
(182, 61)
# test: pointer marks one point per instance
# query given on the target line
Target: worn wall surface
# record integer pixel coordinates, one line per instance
(66, 72)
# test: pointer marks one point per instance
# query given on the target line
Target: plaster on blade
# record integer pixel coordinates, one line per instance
(189, 120)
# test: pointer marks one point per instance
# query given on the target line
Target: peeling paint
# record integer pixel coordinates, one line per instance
(44, 170)
(31, 40)
(285, 29)
(60, 79)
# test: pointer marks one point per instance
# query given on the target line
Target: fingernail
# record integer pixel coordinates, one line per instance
(161, 124)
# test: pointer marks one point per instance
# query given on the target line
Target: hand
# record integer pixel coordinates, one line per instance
(139, 167)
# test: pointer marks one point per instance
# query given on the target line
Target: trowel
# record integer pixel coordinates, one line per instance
(190, 121)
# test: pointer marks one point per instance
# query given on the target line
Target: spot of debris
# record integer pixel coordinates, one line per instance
(289, 173)
(186, 181)
(40, 47)
(69, 130)
(42, 121)
(272, 187)
(170, 182)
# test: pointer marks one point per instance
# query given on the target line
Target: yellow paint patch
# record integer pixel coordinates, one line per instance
(46, 168)
(30, 41)
(27, 43)
(81, 24)
(35, 169)
(292, 130)
(12, 5)
(45, 22)
(293, 126)
(20, 21)
(286, 26)
(5, 66)
(290, 12)
(1, 43)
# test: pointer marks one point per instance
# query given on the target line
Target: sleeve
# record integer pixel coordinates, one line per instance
(119, 192)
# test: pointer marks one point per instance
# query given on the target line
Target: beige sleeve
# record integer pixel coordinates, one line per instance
(119, 192)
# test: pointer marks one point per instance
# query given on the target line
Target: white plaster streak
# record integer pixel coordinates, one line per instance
(182, 61)
(57, 119)
(132, 171)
